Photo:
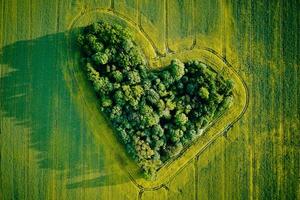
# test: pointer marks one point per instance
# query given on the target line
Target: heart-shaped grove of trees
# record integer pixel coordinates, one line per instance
(155, 113)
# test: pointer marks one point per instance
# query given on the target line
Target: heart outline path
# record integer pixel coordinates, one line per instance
(84, 96)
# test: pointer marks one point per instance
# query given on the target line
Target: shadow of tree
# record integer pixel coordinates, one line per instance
(35, 93)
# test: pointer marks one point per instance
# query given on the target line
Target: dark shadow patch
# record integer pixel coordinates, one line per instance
(36, 95)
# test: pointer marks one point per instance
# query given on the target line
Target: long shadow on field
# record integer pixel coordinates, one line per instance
(33, 91)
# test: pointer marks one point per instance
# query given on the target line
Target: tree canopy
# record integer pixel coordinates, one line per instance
(154, 112)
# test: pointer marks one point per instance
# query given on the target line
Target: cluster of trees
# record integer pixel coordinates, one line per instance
(154, 113)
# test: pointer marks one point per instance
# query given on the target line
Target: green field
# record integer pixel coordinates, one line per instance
(54, 144)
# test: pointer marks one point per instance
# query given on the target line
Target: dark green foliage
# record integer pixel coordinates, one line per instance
(117, 75)
(177, 69)
(100, 58)
(154, 113)
(106, 102)
(153, 97)
(181, 119)
(133, 77)
(204, 93)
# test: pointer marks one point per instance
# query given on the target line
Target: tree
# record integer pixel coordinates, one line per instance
(91, 39)
(185, 78)
(229, 84)
(136, 57)
(158, 144)
(103, 85)
(116, 86)
(143, 71)
(133, 77)
(188, 109)
(147, 84)
(96, 27)
(116, 112)
(175, 134)
(181, 119)
(160, 106)
(166, 114)
(174, 149)
(162, 90)
(149, 117)
(180, 106)
(177, 69)
(138, 91)
(152, 96)
(125, 137)
(167, 78)
(170, 105)
(129, 96)
(226, 103)
(157, 130)
(146, 109)
(81, 40)
(100, 58)
(127, 45)
(117, 75)
(191, 134)
(119, 98)
(93, 75)
(190, 88)
(127, 92)
(97, 46)
(216, 97)
(154, 112)
(106, 101)
(203, 93)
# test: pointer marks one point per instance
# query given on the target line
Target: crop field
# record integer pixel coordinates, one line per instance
(56, 144)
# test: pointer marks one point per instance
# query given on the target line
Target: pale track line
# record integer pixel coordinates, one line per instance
(112, 4)
(196, 185)
(140, 26)
(168, 49)
(213, 139)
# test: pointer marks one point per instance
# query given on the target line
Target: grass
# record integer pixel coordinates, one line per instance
(49, 146)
